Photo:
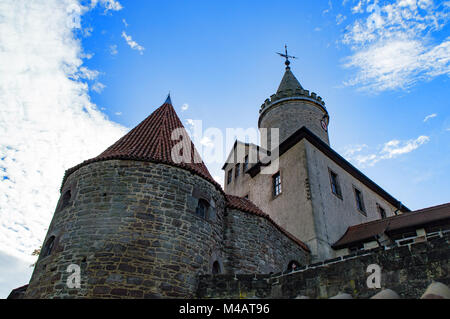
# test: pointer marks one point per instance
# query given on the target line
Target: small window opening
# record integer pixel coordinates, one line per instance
(245, 164)
(230, 176)
(276, 181)
(382, 212)
(293, 265)
(66, 199)
(335, 187)
(48, 247)
(202, 208)
(359, 200)
(216, 268)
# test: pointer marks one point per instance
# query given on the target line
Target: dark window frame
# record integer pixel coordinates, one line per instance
(245, 166)
(229, 176)
(48, 247)
(336, 185)
(216, 268)
(381, 211)
(202, 208)
(65, 201)
(237, 169)
(276, 184)
(359, 200)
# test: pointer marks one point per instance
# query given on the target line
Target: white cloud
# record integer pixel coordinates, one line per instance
(429, 117)
(133, 44)
(47, 121)
(395, 148)
(15, 272)
(85, 73)
(125, 23)
(352, 149)
(207, 142)
(184, 107)
(87, 32)
(113, 5)
(389, 150)
(98, 87)
(340, 18)
(190, 122)
(358, 8)
(113, 49)
(118, 113)
(330, 7)
(219, 179)
(393, 45)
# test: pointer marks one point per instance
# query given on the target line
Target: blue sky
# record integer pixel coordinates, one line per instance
(76, 75)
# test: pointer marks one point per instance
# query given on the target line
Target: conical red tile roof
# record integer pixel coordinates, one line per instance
(152, 141)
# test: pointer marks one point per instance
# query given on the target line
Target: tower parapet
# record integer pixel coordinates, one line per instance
(299, 94)
(291, 108)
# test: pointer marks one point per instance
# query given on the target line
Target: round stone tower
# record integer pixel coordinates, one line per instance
(290, 109)
(134, 222)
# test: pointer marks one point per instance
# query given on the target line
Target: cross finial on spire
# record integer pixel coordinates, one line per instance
(285, 55)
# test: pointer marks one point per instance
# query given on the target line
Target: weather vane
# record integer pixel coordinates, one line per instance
(285, 55)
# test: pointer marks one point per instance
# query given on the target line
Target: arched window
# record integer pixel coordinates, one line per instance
(66, 199)
(216, 268)
(202, 208)
(293, 265)
(48, 246)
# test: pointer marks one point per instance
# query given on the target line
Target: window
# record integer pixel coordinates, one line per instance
(359, 200)
(216, 268)
(335, 187)
(293, 266)
(381, 211)
(276, 181)
(230, 176)
(236, 171)
(66, 199)
(202, 208)
(245, 163)
(48, 246)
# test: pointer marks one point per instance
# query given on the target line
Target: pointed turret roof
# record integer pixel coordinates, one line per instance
(289, 82)
(152, 141)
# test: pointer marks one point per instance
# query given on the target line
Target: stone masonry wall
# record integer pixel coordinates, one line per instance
(407, 270)
(254, 245)
(131, 227)
(289, 116)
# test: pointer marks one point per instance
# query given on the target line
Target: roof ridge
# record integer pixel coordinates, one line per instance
(403, 215)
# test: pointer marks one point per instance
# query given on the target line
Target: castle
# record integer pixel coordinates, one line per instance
(141, 224)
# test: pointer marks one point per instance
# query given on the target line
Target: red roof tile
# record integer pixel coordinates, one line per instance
(152, 141)
(361, 232)
(246, 205)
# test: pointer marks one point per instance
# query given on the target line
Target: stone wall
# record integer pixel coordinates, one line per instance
(254, 245)
(131, 227)
(408, 270)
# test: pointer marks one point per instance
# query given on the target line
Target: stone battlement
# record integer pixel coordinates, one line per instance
(292, 94)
